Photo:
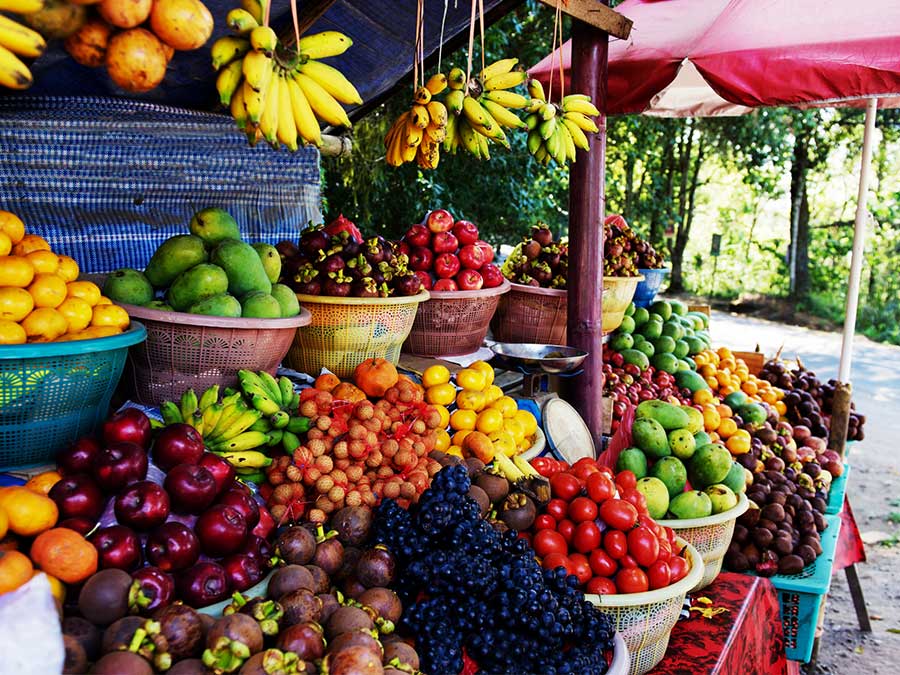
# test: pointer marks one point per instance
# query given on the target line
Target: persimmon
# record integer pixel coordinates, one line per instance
(327, 382)
(375, 376)
(64, 554)
(347, 391)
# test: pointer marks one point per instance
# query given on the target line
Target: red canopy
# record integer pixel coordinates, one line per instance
(709, 57)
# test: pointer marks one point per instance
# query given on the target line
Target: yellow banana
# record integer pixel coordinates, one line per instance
(435, 133)
(247, 458)
(542, 155)
(536, 90)
(419, 116)
(263, 39)
(506, 80)
(409, 150)
(258, 70)
(323, 45)
(254, 102)
(547, 127)
(467, 138)
(581, 120)
(260, 402)
(568, 141)
(188, 404)
(571, 104)
(238, 426)
(503, 116)
(211, 416)
(228, 80)
(255, 8)
(208, 397)
(476, 114)
(230, 414)
(494, 133)
(553, 141)
(287, 129)
(421, 95)
(227, 49)
(197, 422)
(241, 21)
(578, 137)
(547, 111)
(304, 118)
(508, 99)
(414, 133)
(268, 124)
(436, 83)
(483, 148)
(498, 68)
(238, 110)
(20, 39)
(456, 78)
(428, 155)
(522, 465)
(534, 105)
(454, 101)
(322, 103)
(437, 113)
(333, 81)
(393, 156)
(21, 6)
(170, 412)
(243, 441)
(270, 384)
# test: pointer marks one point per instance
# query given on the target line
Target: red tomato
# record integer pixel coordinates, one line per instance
(659, 575)
(665, 550)
(670, 535)
(627, 562)
(544, 466)
(615, 543)
(600, 586)
(600, 487)
(582, 509)
(643, 546)
(585, 461)
(618, 514)
(544, 522)
(549, 541)
(606, 471)
(632, 581)
(679, 568)
(626, 480)
(602, 564)
(587, 537)
(636, 499)
(554, 560)
(557, 509)
(567, 529)
(581, 568)
(585, 471)
(564, 485)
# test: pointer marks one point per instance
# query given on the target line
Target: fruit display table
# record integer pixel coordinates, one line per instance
(746, 639)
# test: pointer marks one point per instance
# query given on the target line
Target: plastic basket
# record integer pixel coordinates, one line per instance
(453, 322)
(344, 332)
(531, 315)
(620, 662)
(710, 536)
(837, 493)
(617, 295)
(646, 620)
(646, 291)
(52, 393)
(194, 350)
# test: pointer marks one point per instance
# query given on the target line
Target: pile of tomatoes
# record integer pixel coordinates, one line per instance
(597, 526)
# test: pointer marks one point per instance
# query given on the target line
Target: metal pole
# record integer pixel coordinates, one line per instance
(586, 207)
(859, 243)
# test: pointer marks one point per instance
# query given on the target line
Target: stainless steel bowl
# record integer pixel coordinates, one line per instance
(534, 358)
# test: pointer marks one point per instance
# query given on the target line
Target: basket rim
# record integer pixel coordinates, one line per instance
(621, 660)
(682, 587)
(467, 295)
(657, 270)
(639, 278)
(370, 302)
(206, 321)
(135, 334)
(537, 290)
(716, 519)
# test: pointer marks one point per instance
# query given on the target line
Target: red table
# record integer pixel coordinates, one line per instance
(745, 640)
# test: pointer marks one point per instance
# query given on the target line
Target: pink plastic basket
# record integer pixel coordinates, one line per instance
(531, 315)
(193, 350)
(453, 322)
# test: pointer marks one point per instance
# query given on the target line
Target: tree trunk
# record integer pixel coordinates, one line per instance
(798, 253)
(660, 215)
(689, 180)
(629, 185)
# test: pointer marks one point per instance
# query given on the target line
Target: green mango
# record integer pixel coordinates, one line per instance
(214, 225)
(649, 436)
(709, 465)
(159, 305)
(198, 283)
(242, 266)
(174, 256)
(259, 305)
(287, 299)
(218, 305)
(128, 286)
(634, 460)
(668, 415)
(690, 505)
(271, 260)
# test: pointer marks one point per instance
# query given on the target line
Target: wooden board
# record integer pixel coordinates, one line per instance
(754, 360)
(699, 308)
(595, 14)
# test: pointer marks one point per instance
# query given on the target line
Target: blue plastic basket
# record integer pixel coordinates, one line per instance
(52, 393)
(649, 287)
(838, 492)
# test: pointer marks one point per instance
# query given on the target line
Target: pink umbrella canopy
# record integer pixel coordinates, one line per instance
(714, 57)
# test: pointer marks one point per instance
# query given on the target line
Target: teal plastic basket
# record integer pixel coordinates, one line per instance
(52, 393)
(838, 492)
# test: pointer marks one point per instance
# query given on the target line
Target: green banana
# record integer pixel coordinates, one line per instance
(298, 425)
(289, 441)
(228, 48)
(241, 21)
(251, 476)
(245, 441)
(246, 377)
(262, 424)
(275, 437)
(210, 396)
(264, 404)
(247, 459)
(211, 416)
(196, 421)
(287, 391)
(270, 384)
(295, 402)
(280, 419)
(229, 391)
(189, 404)
(171, 413)
(231, 398)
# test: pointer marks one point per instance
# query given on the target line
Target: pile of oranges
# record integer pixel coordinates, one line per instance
(725, 374)
(41, 298)
(482, 412)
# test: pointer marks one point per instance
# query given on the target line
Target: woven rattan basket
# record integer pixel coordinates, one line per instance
(532, 315)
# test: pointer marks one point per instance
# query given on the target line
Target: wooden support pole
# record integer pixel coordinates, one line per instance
(586, 206)
(840, 418)
(596, 14)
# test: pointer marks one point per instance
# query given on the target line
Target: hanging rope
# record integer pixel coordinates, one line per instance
(471, 40)
(296, 20)
(441, 43)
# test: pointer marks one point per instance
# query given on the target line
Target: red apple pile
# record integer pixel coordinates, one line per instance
(626, 384)
(448, 255)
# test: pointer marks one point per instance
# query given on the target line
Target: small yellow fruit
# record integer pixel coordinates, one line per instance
(45, 262)
(489, 421)
(48, 290)
(503, 442)
(528, 422)
(110, 315)
(455, 450)
(29, 243)
(440, 394)
(15, 271)
(469, 378)
(5, 243)
(44, 324)
(445, 416)
(77, 312)
(12, 333)
(492, 393)
(460, 436)
(442, 440)
(514, 427)
(12, 226)
(68, 268)
(463, 419)
(104, 300)
(485, 369)
(86, 290)
(470, 400)
(15, 303)
(435, 375)
(506, 405)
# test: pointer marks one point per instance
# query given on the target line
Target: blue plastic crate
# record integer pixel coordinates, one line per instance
(838, 492)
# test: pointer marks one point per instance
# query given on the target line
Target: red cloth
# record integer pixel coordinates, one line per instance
(850, 548)
(745, 640)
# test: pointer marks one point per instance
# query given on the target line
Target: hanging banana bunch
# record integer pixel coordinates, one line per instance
(278, 93)
(556, 131)
(17, 41)
(418, 133)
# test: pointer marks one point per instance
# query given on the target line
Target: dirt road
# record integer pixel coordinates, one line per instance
(874, 485)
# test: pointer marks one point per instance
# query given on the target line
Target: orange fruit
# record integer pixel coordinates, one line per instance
(327, 382)
(711, 418)
(703, 396)
(29, 512)
(749, 387)
(724, 410)
(15, 570)
(470, 400)
(86, 290)
(5, 244)
(12, 333)
(65, 554)
(45, 262)
(42, 482)
(781, 408)
(110, 315)
(456, 451)
(463, 419)
(12, 226)
(435, 375)
(727, 428)
(492, 393)
(506, 405)
(489, 421)
(470, 378)
(68, 268)
(460, 436)
(442, 440)
(15, 271)
(48, 290)
(29, 243)
(103, 300)
(77, 312)
(479, 445)
(440, 394)
(15, 303)
(44, 325)
(485, 369)
(4, 523)
(91, 333)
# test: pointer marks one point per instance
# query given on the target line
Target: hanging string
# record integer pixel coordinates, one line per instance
(471, 40)
(421, 53)
(441, 43)
(419, 48)
(559, 22)
(267, 12)
(296, 21)
(553, 49)
(481, 25)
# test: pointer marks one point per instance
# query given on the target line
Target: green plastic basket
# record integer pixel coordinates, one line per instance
(838, 492)
(52, 393)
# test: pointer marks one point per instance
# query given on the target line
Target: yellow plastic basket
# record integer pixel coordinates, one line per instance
(710, 536)
(646, 620)
(617, 295)
(344, 332)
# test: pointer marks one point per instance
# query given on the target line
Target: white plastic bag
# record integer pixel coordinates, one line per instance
(31, 637)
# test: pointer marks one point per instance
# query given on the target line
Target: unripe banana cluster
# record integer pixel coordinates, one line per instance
(418, 133)
(276, 93)
(556, 131)
(17, 40)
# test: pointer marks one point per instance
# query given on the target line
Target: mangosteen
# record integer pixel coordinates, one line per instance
(356, 638)
(364, 288)
(232, 640)
(267, 613)
(407, 284)
(352, 587)
(348, 568)
(495, 486)
(531, 249)
(188, 667)
(384, 602)
(86, 633)
(300, 606)
(104, 597)
(287, 249)
(541, 234)
(122, 663)
(296, 545)
(473, 466)
(376, 567)
(403, 652)
(329, 553)
(329, 604)
(140, 636)
(480, 496)
(346, 619)
(375, 249)
(518, 512)
(306, 640)
(76, 661)
(183, 628)
(353, 525)
(290, 578)
(320, 578)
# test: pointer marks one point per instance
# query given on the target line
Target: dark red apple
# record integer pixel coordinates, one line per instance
(221, 530)
(243, 571)
(492, 275)
(156, 589)
(446, 265)
(417, 235)
(222, 471)
(471, 257)
(119, 464)
(172, 546)
(243, 502)
(401, 248)
(203, 584)
(78, 457)
(129, 425)
(425, 278)
(421, 259)
(191, 487)
(177, 444)
(486, 249)
(444, 242)
(117, 546)
(78, 496)
(80, 524)
(469, 280)
(439, 220)
(445, 285)
(465, 232)
(266, 523)
(257, 546)
(142, 505)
